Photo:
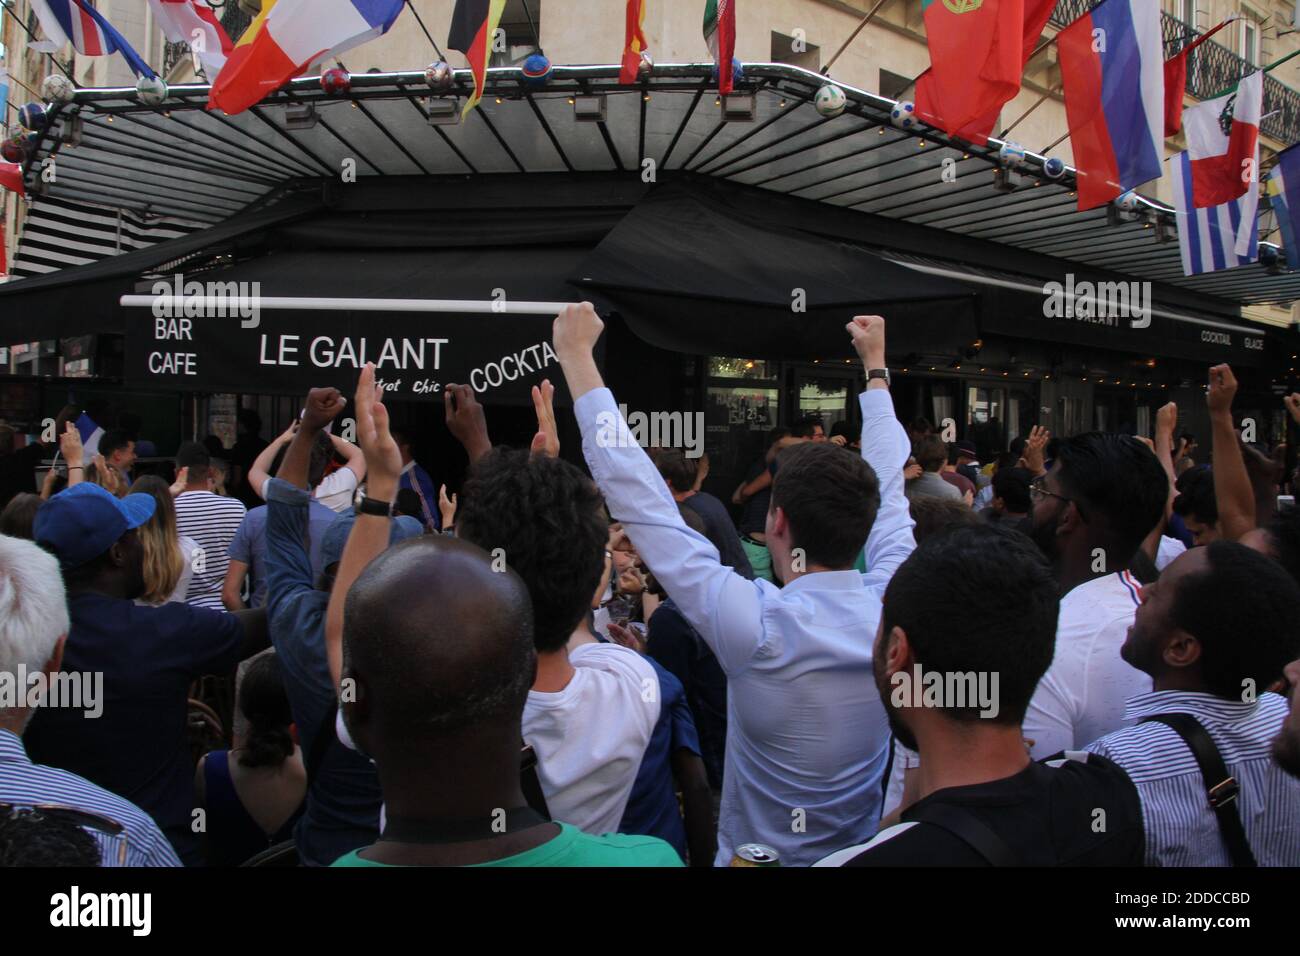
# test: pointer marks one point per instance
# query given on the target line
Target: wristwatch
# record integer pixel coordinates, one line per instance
(373, 506)
(878, 373)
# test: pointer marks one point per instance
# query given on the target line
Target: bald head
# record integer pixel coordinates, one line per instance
(437, 642)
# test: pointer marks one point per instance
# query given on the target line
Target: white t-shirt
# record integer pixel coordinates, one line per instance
(1081, 697)
(337, 490)
(1169, 549)
(211, 521)
(904, 760)
(590, 737)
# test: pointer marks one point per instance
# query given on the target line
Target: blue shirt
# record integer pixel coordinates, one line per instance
(23, 783)
(139, 747)
(343, 796)
(249, 545)
(807, 737)
(652, 808)
(417, 479)
(1181, 828)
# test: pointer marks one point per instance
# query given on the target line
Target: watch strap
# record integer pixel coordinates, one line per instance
(374, 506)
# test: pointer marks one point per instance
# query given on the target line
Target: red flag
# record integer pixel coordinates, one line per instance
(634, 45)
(1176, 80)
(11, 178)
(977, 129)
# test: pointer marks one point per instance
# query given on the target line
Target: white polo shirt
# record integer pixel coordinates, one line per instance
(1081, 697)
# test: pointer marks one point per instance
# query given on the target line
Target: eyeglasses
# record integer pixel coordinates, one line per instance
(1038, 490)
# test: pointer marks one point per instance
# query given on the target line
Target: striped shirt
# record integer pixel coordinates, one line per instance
(1181, 828)
(1082, 695)
(211, 520)
(23, 783)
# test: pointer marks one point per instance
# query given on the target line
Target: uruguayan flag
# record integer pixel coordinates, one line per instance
(1215, 237)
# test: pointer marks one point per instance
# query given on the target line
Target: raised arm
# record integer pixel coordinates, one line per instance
(1166, 425)
(369, 535)
(885, 448)
(724, 607)
(352, 456)
(1233, 493)
(260, 470)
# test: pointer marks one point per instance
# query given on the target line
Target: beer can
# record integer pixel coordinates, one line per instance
(755, 854)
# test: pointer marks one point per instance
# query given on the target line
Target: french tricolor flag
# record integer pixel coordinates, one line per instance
(1112, 66)
(295, 33)
(90, 433)
(1223, 142)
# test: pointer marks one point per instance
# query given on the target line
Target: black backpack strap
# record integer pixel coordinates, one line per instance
(1220, 786)
(968, 828)
(530, 783)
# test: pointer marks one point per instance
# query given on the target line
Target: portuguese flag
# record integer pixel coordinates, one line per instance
(720, 34)
(473, 24)
(977, 54)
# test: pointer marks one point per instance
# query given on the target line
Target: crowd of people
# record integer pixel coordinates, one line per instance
(884, 654)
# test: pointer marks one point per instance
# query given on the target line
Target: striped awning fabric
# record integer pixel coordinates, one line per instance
(59, 233)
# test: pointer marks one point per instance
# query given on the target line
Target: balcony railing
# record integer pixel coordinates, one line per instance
(1211, 69)
(233, 19)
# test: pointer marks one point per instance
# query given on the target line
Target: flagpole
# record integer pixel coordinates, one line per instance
(853, 36)
(1274, 65)
(537, 37)
(437, 49)
(1040, 101)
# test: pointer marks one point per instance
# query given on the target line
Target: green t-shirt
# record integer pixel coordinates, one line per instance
(574, 848)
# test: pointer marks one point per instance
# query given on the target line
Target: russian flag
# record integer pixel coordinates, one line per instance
(79, 23)
(1223, 142)
(289, 38)
(1217, 237)
(90, 434)
(1112, 67)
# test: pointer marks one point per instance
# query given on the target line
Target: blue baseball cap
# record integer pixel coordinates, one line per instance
(82, 522)
(336, 535)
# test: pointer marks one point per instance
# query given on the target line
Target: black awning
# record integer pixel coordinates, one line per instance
(691, 275)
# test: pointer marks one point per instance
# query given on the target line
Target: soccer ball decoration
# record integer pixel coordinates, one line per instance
(536, 69)
(1053, 167)
(737, 71)
(1127, 202)
(646, 66)
(903, 115)
(57, 88)
(830, 100)
(13, 151)
(336, 80)
(32, 116)
(1011, 155)
(439, 75)
(151, 90)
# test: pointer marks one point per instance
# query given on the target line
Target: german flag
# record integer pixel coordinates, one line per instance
(473, 24)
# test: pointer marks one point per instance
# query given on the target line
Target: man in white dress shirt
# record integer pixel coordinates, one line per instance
(807, 734)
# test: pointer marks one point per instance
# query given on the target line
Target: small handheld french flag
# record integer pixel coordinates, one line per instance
(90, 433)
(1112, 66)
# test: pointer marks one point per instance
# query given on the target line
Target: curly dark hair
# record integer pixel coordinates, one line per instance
(549, 520)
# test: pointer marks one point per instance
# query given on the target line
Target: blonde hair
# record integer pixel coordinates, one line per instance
(163, 561)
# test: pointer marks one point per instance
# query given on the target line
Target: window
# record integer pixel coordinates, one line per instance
(739, 368)
(520, 40)
(1250, 23)
(796, 51)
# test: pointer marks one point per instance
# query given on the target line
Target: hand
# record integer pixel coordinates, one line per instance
(1150, 443)
(383, 459)
(106, 475)
(70, 446)
(839, 440)
(1222, 389)
(287, 435)
(447, 507)
(628, 636)
(182, 479)
(1181, 451)
(868, 334)
(1166, 422)
(701, 470)
(1034, 454)
(576, 330)
(631, 581)
(969, 498)
(47, 485)
(547, 440)
(465, 420)
(1292, 403)
(323, 406)
(912, 470)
